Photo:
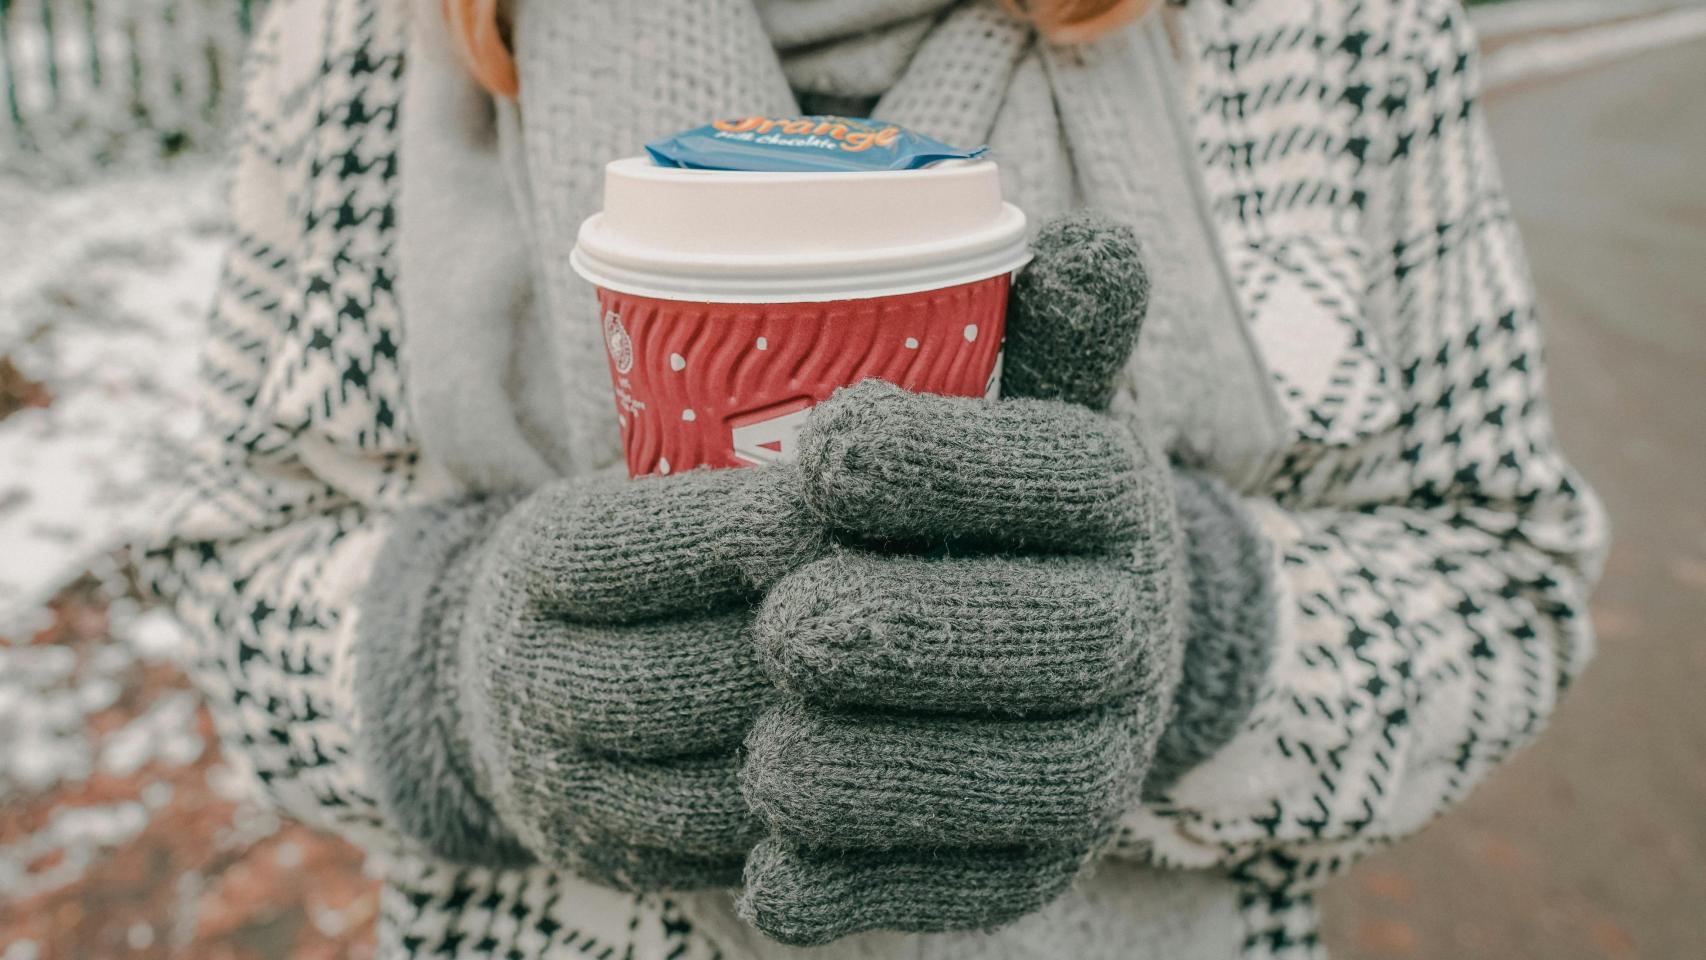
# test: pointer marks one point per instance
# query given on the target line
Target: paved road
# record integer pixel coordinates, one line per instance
(1593, 843)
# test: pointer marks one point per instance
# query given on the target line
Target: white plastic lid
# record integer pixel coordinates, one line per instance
(747, 237)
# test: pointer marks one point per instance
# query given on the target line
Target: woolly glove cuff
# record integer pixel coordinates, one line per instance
(412, 736)
(1229, 627)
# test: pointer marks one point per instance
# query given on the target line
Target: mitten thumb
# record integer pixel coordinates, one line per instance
(1076, 312)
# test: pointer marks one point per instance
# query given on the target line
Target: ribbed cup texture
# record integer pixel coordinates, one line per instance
(708, 373)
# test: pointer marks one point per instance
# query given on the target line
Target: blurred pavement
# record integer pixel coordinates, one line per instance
(1592, 845)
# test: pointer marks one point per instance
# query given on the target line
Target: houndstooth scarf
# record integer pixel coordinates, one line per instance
(1097, 125)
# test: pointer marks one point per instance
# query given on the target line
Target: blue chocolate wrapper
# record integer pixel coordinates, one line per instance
(803, 145)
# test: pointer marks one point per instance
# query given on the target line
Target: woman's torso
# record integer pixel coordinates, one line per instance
(1265, 89)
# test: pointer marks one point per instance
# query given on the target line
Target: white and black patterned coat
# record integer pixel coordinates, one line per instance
(1437, 550)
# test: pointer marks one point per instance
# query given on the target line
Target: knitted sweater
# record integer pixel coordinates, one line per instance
(1436, 548)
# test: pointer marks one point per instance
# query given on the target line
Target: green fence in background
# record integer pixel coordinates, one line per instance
(91, 83)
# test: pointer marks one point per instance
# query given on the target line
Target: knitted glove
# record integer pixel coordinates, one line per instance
(568, 676)
(981, 677)
(574, 678)
(565, 676)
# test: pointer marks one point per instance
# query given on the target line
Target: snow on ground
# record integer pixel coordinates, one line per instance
(103, 292)
(102, 296)
(122, 829)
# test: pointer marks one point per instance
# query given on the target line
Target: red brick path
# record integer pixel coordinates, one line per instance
(205, 877)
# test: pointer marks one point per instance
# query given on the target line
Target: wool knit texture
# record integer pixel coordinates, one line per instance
(417, 744)
(990, 634)
(932, 784)
(989, 705)
(614, 551)
(586, 654)
(1003, 693)
(1002, 582)
(808, 900)
(893, 467)
(1230, 632)
(1062, 342)
(607, 668)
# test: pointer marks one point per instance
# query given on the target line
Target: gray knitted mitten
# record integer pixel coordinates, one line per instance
(569, 675)
(984, 670)
(975, 681)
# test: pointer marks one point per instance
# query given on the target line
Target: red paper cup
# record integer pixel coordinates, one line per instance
(727, 315)
(728, 385)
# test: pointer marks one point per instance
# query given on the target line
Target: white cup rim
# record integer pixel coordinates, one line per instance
(741, 237)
